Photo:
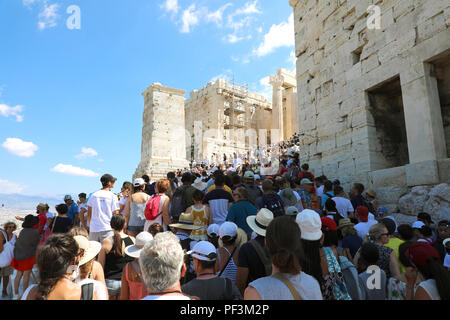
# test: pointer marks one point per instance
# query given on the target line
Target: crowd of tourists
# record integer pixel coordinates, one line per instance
(216, 232)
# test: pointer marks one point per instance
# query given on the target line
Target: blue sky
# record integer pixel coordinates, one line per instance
(70, 100)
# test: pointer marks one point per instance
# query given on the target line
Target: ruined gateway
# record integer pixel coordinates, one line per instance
(374, 105)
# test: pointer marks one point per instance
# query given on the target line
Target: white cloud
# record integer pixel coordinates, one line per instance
(8, 187)
(73, 171)
(232, 38)
(48, 16)
(217, 16)
(279, 35)
(190, 18)
(249, 8)
(226, 75)
(171, 6)
(86, 153)
(7, 111)
(19, 147)
(292, 59)
(266, 89)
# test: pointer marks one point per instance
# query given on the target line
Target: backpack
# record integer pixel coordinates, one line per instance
(186, 245)
(306, 175)
(263, 255)
(152, 207)
(368, 205)
(273, 203)
(351, 278)
(87, 291)
(177, 204)
(339, 286)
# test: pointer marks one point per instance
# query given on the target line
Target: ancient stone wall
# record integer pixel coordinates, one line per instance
(223, 131)
(351, 77)
(163, 132)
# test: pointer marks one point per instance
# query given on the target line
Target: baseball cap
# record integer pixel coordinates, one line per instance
(257, 177)
(381, 211)
(336, 182)
(418, 225)
(291, 211)
(228, 229)
(306, 181)
(213, 229)
(249, 175)
(329, 223)
(67, 197)
(421, 252)
(138, 182)
(204, 251)
(363, 213)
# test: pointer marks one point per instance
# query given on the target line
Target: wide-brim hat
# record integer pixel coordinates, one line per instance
(142, 239)
(261, 221)
(345, 223)
(199, 184)
(186, 222)
(91, 249)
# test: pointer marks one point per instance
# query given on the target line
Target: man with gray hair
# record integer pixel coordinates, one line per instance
(162, 265)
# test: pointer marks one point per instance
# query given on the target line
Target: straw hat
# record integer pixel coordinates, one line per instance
(186, 222)
(345, 223)
(261, 221)
(91, 249)
(371, 193)
(141, 239)
(199, 184)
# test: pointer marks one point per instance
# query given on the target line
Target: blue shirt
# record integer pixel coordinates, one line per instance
(239, 212)
(325, 197)
(73, 210)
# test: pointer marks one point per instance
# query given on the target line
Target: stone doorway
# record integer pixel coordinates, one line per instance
(386, 108)
(441, 71)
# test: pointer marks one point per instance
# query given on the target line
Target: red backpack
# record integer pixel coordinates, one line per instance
(152, 207)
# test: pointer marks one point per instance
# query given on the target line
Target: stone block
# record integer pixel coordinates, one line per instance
(444, 170)
(422, 173)
(388, 177)
(390, 195)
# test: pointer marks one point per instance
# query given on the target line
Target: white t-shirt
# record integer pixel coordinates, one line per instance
(364, 227)
(123, 202)
(103, 204)
(270, 288)
(166, 297)
(447, 261)
(81, 207)
(99, 288)
(343, 206)
(319, 191)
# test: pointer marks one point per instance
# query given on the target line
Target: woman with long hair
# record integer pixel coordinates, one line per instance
(112, 256)
(158, 206)
(379, 235)
(285, 249)
(320, 261)
(422, 260)
(57, 262)
(135, 208)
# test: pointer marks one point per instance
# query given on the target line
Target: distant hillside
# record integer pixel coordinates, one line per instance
(22, 202)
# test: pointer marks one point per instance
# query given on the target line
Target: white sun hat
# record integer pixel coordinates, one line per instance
(141, 240)
(310, 225)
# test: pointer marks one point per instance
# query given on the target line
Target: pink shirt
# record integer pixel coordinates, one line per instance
(137, 289)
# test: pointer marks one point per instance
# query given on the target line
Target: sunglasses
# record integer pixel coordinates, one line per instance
(10, 227)
(384, 234)
(236, 195)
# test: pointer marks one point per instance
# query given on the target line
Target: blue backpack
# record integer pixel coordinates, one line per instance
(351, 278)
